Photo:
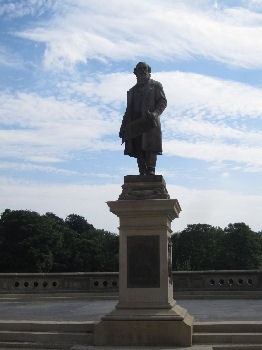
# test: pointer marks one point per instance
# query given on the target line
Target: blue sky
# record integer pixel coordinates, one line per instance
(65, 68)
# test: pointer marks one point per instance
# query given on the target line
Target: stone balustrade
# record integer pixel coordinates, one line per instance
(59, 282)
(185, 282)
(226, 280)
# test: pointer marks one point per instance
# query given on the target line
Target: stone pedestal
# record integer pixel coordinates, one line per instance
(146, 313)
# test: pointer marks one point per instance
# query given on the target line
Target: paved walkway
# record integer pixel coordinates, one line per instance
(83, 308)
(196, 347)
(91, 309)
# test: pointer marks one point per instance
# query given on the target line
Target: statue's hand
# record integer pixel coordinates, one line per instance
(151, 115)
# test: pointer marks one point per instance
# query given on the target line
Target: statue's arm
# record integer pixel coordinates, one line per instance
(123, 127)
(160, 101)
(126, 117)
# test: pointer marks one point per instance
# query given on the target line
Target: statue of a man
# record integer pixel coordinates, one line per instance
(141, 128)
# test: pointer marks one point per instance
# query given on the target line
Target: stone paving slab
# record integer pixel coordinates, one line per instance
(91, 309)
(196, 347)
(224, 310)
(90, 347)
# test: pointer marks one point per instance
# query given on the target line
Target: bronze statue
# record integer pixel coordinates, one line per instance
(141, 128)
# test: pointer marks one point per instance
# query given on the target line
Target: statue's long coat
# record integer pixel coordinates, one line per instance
(152, 98)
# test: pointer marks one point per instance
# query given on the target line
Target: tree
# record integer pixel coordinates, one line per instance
(204, 247)
(77, 249)
(106, 252)
(242, 247)
(78, 223)
(95, 251)
(61, 256)
(30, 242)
(197, 247)
(84, 244)
(27, 241)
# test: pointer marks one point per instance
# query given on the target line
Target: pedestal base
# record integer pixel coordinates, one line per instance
(145, 327)
(146, 313)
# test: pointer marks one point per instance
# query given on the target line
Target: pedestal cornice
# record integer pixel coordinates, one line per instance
(149, 207)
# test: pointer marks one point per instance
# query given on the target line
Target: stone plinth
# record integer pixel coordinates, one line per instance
(144, 187)
(146, 313)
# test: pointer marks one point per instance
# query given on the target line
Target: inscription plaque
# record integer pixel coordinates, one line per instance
(143, 262)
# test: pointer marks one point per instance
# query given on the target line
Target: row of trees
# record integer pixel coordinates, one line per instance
(30, 242)
(204, 247)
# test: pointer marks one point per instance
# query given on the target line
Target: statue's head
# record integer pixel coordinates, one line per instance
(142, 71)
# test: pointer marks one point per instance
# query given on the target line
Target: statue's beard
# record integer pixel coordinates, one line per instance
(142, 79)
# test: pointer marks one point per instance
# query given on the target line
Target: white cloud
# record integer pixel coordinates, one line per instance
(205, 119)
(160, 30)
(34, 126)
(208, 130)
(30, 166)
(216, 152)
(214, 207)
(195, 94)
(20, 167)
(255, 5)
(107, 89)
(88, 201)
(23, 8)
(212, 119)
(44, 159)
(9, 59)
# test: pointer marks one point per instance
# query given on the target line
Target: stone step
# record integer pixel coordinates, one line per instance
(31, 345)
(72, 338)
(228, 327)
(227, 338)
(45, 326)
(246, 334)
(238, 347)
(45, 334)
(217, 294)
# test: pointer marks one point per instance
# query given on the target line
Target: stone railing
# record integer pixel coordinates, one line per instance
(226, 281)
(186, 283)
(59, 282)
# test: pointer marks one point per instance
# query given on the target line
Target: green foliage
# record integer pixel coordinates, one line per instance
(107, 252)
(78, 223)
(243, 247)
(204, 247)
(26, 243)
(196, 248)
(30, 242)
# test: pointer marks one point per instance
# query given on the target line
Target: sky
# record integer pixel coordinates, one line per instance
(65, 68)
